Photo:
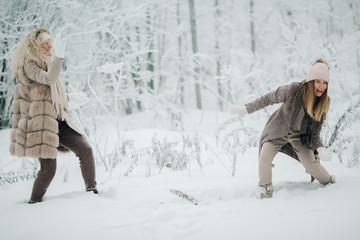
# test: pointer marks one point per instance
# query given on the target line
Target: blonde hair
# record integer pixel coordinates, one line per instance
(29, 49)
(323, 105)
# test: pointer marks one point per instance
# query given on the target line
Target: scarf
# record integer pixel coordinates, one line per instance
(305, 132)
(59, 98)
(58, 94)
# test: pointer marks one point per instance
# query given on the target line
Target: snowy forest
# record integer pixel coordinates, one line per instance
(160, 76)
(167, 56)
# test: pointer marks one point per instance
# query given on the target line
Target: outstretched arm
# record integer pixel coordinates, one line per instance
(277, 96)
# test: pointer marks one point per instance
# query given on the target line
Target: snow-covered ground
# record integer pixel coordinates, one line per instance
(139, 207)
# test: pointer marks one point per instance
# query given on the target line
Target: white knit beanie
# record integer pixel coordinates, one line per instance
(318, 71)
(43, 36)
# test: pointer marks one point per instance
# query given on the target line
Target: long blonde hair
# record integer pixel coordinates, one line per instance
(30, 49)
(323, 105)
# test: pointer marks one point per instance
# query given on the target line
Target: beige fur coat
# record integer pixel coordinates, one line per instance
(34, 121)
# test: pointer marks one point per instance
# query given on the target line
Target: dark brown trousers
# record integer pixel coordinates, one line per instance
(70, 139)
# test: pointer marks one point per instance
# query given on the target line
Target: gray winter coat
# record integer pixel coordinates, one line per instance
(283, 118)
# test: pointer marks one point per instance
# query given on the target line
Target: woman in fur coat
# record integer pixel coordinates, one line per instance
(41, 125)
(295, 127)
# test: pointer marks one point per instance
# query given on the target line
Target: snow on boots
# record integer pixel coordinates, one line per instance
(265, 192)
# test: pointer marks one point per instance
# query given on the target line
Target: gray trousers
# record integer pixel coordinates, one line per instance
(305, 154)
(76, 143)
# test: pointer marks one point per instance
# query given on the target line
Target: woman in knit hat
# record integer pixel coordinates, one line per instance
(295, 127)
(41, 125)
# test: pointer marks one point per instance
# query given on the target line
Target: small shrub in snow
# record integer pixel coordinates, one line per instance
(235, 140)
(28, 170)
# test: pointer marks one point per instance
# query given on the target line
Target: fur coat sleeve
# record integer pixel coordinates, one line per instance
(41, 75)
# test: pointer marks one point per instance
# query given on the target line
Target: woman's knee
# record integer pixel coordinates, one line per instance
(267, 153)
(87, 148)
(84, 150)
(310, 166)
(47, 167)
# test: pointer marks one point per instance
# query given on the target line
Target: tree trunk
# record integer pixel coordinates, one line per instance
(252, 27)
(150, 41)
(195, 50)
(161, 40)
(217, 53)
(181, 79)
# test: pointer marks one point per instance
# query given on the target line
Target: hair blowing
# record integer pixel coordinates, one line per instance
(315, 112)
(29, 49)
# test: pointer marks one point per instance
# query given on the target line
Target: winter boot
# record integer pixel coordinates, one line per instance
(92, 189)
(265, 192)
